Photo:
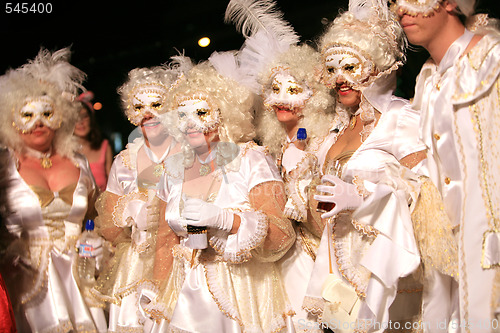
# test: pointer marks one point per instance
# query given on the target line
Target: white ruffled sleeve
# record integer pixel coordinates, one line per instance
(264, 233)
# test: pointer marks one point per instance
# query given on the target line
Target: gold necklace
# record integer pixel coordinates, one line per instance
(352, 122)
(205, 167)
(44, 158)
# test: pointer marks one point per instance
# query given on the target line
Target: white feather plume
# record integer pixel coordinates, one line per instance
(267, 36)
(251, 16)
(225, 64)
(181, 63)
(365, 10)
(56, 69)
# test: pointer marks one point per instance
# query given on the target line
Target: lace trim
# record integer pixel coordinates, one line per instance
(35, 295)
(342, 250)
(278, 321)
(155, 310)
(245, 246)
(366, 230)
(124, 154)
(104, 298)
(293, 213)
(254, 146)
(124, 329)
(87, 327)
(303, 171)
(121, 205)
(313, 305)
(309, 246)
(360, 187)
(223, 303)
(63, 327)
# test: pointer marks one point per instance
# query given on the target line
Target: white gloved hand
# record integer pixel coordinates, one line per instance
(344, 195)
(203, 214)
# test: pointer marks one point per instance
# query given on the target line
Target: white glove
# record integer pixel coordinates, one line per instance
(136, 213)
(203, 214)
(344, 195)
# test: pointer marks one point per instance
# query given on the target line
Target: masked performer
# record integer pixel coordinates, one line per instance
(376, 139)
(227, 190)
(293, 122)
(128, 209)
(50, 193)
(457, 93)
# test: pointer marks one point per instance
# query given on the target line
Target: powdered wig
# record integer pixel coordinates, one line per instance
(162, 76)
(377, 36)
(234, 101)
(51, 75)
(302, 63)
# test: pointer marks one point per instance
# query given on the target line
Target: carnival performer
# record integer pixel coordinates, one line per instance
(457, 93)
(128, 209)
(293, 121)
(226, 189)
(377, 138)
(51, 191)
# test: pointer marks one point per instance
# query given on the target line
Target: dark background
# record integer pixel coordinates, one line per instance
(108, 39)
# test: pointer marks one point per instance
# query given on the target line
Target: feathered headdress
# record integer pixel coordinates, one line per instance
(271, 47)
(54, 68)
(159, 78)
(372, 29)
(267, 36)
(49, 75)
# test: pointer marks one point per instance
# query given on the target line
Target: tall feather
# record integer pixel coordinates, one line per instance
(56, 69)
(267, 36)
(251, 16)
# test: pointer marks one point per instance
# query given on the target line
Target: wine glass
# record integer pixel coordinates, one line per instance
(333, 167)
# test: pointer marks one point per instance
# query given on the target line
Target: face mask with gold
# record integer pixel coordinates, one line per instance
(415, 7)
(197, 114)
(34, 110)
(347, 62)
(146, 99)
(286, 92)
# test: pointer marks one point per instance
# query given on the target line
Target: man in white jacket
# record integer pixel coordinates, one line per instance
(457, 93)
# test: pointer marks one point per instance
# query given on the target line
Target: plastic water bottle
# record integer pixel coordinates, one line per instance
(88, 243)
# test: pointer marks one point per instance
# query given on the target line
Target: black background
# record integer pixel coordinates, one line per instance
(108, 39)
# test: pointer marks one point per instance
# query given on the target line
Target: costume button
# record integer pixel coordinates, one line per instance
(447, 180)
(437, 136)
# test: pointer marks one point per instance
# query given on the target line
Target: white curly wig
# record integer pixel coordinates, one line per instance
(302, 62)
(51, 75)
(164, 76)
(234, 101)
(371, 29)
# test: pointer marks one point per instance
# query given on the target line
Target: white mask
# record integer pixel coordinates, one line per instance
(346, 62)
(197, 114)
(34, 110)
(285, 91)
(415, 7)
(146, 99)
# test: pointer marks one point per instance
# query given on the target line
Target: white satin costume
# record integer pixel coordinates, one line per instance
(460, 120)
(234, 285)
(337, 297)
(45, 226)
(128, 214)
(298, 169)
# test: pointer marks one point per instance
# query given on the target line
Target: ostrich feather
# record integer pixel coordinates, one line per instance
(251, 16)
(56, 69)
